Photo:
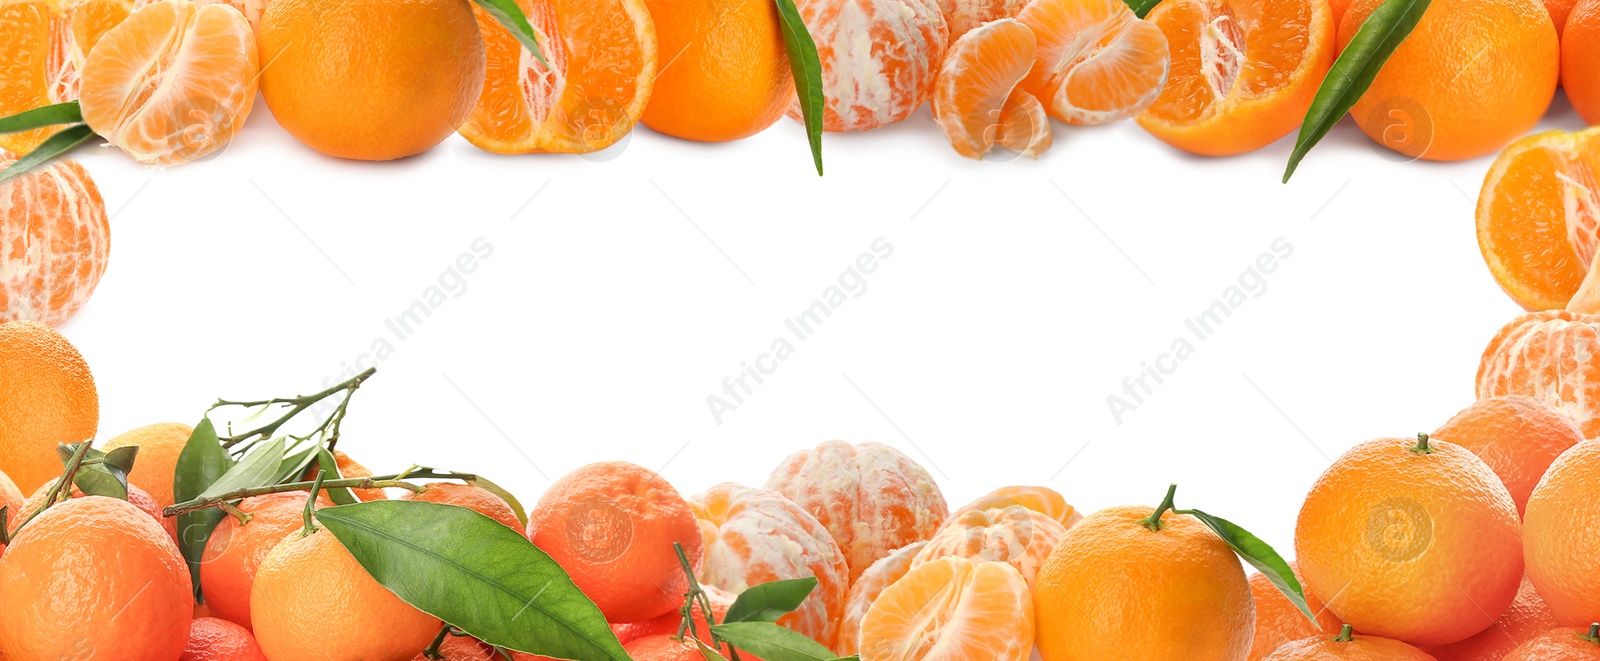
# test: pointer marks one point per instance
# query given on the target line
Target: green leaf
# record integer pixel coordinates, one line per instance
(1142, 7)
(93, 477)
(476, 574)
(807, 68)
(1383, 31)
(202, 461)
(510, 16)
(707, 653)
(772, 642)
(769, 601)
(516, 506)
(257, 469)
(63, 141)
(295, 466)
(27, 120)
(340, 495)
(1261, 556)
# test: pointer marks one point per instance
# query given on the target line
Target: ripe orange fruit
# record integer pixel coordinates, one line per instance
(604, 59)
(1580, 60)
(663, 648)
(1243, 72)
(475, 498)
(1278, 622)
(1097, 61)
(1015, 535)
(188, 108)
(212, 639)
(1538, 217)
(43, 44)
(1043, 500)
(11, 498)
(667, 624)
(1563, 557)
(124, 595)
(1116, 588)
(234, 551)
(1527, 617)
(978, 80)
(349, 468)
(754, 536)
(47, 397)
(611, 526)
(311, 596)
(1412, 539)
(724, 72)
(1545, 355)
(879, 58)
(136, 497)
(462, 648)
(1348, 647)
(159, 446)
(1473, 76)
(1517, 436)
(375, 80)
(56, 235)
(870, 497)
(951, 609)
(873, 582)
(1574, 644)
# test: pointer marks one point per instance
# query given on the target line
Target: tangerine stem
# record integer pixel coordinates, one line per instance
(1153, 521)
(297, 405)
(1594, 633)
(696, 596)
(311, 505)
(1422, 446)
(56, 490)
(1346, 634)
(374, 482)
(432, 651)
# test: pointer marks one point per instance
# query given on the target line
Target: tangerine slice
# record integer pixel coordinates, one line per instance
(879, 58)
(1024, 126)
(1014, 535)
(43, 44)
(1243, 73)
(951, 609)
(173, 83)
(976, 81)
(252, 9)
(602, 56)
(1539, 214)
(54, 242)
(1097, 61)
(872, 583)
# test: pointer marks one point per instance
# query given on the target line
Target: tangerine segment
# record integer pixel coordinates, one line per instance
(1539, 215)
(1043, 500)
(1024, 126)
(1243, 73)
(602, 57)
(252, 9)
(43, 44)
(977, 78)
(1097, 61)
(951, 609)
(1015, 535)
(172, 83)
(879, 58)
(1547, 356)
(873, 582)
(55, 240)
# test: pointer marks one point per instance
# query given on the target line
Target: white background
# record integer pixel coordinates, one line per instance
(624, 287)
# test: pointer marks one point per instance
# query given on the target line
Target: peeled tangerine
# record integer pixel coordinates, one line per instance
(951, 609)
(1097, 61)
(1539, 214)
(54, 242)
(977, 100)
(865, 591)
(1014, 535)
(602, 63)
(173, 83)
(1547, 356)
(43, 44)
(1043, 500)
(879, 58)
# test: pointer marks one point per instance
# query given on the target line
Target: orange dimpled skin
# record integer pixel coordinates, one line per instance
(1527, 617)
(55, 240)
(1114, 589)
(1572, 644)
(93, 579)
(755, 536)
(1546, 356)
(724, 72)
(951, 609)
(475, 498)
(212, 639)
(879, 58)
(1354, 648)
(1558, 539)
(1517, 436)
(461, 648)
(873, 582)
(1411, 539)
(159, 446)
(234, 551)
(611, 526)
(1279, 622)
(1539, 214)
(1015, 535)
(47, 397)
(1580, 60)
(872, 498)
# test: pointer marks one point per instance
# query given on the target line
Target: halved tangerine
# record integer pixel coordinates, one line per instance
(602, 64)
(1539, 214)
(43, 44)
(173, 83)
(978, 78)
(1097, 61)
(1244, 72)
(951, 609)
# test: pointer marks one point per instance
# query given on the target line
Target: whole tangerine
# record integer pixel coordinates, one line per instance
(1519, 437)
(1527, 617)
(136, 497)
(234, 550)
(729, 76)
(159, 446)
(47, 398)
(213, 639)
(1573, 644)
(1348, 647)
(475, 498)
(1558, 536)
(1580, 60)
(1279, 622)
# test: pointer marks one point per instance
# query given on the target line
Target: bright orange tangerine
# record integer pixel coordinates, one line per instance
(1097, 61)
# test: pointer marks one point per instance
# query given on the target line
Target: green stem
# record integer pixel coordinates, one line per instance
(1594, 634)
(239, 515)
(1422, 446)
(1153, 521)
(433, 649)
(696, 596)
(1346, 634)
(62, 486)
(297, 406)
(374, 482)
(311, 505)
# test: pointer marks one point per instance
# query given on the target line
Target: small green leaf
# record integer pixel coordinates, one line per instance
(259, 468)
(295, 466)
(516, 506)
(807, 68)
(202, 461)
(94, 477)
(510, 16)
(707, 653)
(1141, 8)
(772, 642)
(38, 118)
(63, 141)
(1261, 556)
(476, 574)
(339, 495)
(769, 601)
(1358, 64)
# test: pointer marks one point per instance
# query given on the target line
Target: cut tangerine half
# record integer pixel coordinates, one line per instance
(173, 83)
(951, 609)
(1097, 61)
(602, 64)
(43, 44)
(1243, 74)
(1539, 215)
(974, 86)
